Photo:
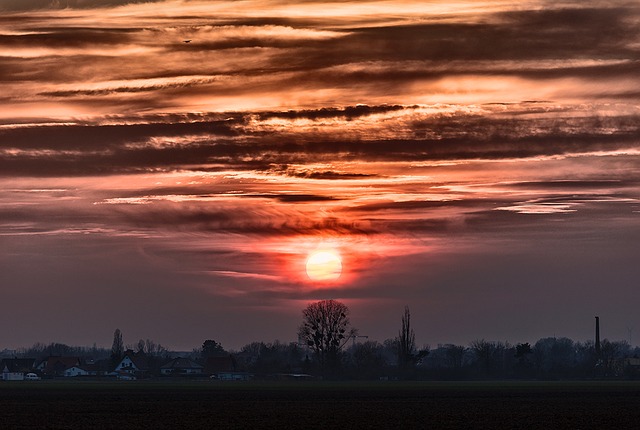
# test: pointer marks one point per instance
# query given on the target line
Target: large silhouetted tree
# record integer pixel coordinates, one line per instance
(211, 348)
(408, 355)
(406, 341)
(117, 348)
(325, 329)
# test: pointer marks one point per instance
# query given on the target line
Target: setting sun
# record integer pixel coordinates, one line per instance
(324, 266)
(462, 157)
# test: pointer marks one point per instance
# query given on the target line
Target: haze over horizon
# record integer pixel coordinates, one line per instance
(167, 167)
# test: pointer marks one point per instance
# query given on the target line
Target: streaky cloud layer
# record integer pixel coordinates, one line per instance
(470, 158)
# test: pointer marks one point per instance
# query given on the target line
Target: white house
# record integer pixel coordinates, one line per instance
(7, 375)
(57, 365)
(134, 364)
(75, 371)
(14, 369)
(181, 366)
(126, 365)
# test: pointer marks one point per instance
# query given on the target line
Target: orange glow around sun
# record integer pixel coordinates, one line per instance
(324, 266)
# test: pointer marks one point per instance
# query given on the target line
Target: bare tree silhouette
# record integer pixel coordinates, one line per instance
(117, 348)
(325, 329)
(408, 355)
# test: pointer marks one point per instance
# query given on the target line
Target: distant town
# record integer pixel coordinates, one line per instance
(329, 348)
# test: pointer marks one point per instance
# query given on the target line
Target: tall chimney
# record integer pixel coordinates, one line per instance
(598, 336)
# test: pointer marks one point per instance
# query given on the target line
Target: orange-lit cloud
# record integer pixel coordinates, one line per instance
(455, 154)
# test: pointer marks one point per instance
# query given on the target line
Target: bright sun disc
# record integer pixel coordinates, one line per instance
(324, 266)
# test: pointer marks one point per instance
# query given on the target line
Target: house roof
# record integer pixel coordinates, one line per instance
(140, 360)
(55, 364)
(181, 363)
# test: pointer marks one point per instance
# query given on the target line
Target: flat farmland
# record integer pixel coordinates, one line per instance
(309, 405)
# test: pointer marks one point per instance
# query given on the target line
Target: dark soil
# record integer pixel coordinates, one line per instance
(309, 405)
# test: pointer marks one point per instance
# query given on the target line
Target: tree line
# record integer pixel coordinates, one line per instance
(326, 330)
(327, 347)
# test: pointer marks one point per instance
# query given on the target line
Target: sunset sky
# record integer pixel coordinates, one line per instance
(167, 167)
